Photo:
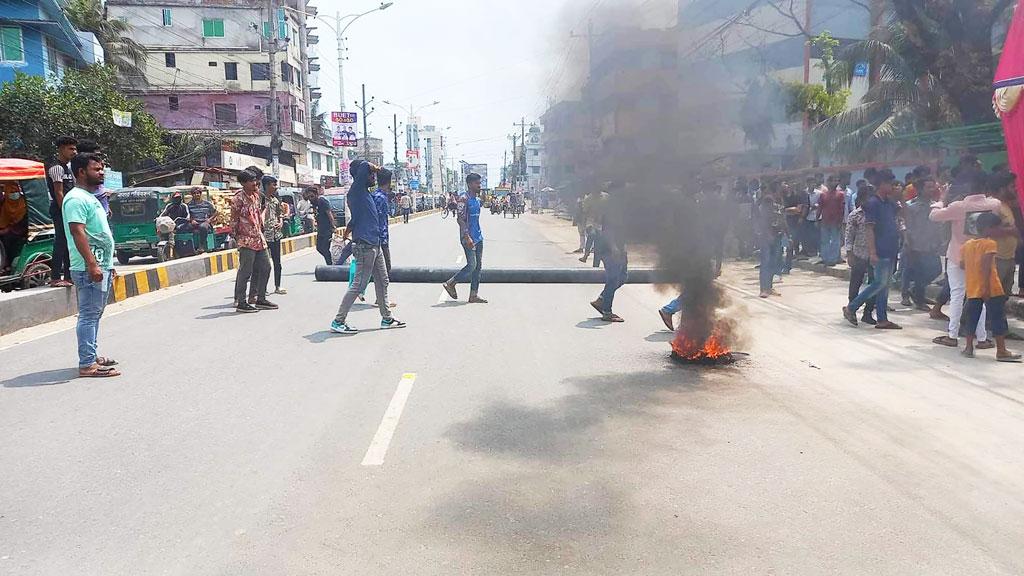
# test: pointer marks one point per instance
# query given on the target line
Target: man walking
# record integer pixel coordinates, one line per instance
(366, 249)
(247, 228)
(472, 239)
(91, 261)
(616, 262)
(406, 203)
(325, 224)
(883, 239)
(380, 199)
(60, 180)
(956, 213)
(831, 206)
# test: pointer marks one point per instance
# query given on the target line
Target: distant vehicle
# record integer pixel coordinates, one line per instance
(28, 264)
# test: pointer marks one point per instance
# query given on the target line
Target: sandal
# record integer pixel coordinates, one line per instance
(888, 326)
(103, 361)
(985, 345)
(945, 341)
(967, 353)
(1012, 358)
(99, 372)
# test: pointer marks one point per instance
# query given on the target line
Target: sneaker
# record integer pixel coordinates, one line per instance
(266, 305)
(449, 287)
(388, 323)
(246, 308)
(342, 328)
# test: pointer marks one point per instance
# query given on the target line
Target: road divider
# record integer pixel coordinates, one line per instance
(411, 275)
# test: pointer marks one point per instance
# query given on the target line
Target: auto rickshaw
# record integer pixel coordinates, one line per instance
(27, 229)
(292, 225)
(133, 213)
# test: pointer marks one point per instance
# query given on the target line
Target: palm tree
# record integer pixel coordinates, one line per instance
(320, 129)
(126, 55)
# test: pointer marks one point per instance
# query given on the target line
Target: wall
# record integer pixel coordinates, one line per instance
(196, 111)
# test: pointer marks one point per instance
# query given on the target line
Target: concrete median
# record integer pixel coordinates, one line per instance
(499, 275)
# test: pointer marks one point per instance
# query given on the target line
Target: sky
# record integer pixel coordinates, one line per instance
(490, 63)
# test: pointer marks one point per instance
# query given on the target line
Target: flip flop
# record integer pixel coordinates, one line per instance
(102, 361)
(101, 372)
(945, 341)
(1012, 359)
(596, 304)
(888, 326)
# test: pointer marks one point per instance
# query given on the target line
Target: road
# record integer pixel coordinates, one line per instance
(518, 437)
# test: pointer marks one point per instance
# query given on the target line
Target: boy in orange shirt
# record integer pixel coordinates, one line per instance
(978, 259)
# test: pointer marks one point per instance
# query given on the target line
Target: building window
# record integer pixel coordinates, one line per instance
(330, 165)
(260, 70)
(535, 169)
(316, 161)
(282, 30)
(169, 59)
(231, 70)
(52, 61)
(225, 115)
(535, 152)
(213, 28)
(286, 72)
(172, 102)
(12, 48)
(167, 16)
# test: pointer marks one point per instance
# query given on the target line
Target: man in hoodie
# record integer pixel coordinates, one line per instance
(364, 225)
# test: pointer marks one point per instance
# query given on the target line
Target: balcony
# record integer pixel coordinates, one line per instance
(314, 67)
(311, 40)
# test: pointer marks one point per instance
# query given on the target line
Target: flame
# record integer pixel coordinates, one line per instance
(714, 348)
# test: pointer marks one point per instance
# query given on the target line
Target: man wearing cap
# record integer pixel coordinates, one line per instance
(472, 239)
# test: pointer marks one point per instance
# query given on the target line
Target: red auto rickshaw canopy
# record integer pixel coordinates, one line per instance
(19, 169)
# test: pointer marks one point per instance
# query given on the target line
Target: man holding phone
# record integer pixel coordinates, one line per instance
(92, 261)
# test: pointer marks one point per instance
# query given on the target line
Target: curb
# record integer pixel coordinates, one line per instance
(1014, 306)
(42, 305)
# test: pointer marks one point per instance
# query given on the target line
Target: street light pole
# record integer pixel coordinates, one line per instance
(341, 61)
(275, 113)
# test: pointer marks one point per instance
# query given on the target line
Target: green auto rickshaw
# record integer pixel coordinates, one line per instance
(292, 225)
(26, 229)
(133, 214)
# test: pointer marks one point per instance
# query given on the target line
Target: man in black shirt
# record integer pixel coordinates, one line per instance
(60, 181)
(325, 225)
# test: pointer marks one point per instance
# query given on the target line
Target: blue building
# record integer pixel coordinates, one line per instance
(36, 38)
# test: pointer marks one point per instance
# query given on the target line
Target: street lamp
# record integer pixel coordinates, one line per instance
(340, 34)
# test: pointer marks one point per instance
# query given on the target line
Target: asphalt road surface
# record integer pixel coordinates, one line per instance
(519, 437)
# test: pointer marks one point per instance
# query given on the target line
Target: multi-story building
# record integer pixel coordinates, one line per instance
(534, 159)
(568, 142)
(432, 159)
(37, 39)
(208, 72)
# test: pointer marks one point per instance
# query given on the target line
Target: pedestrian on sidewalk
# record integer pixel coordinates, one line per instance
(984, 290)
(883, 243)
(771, 226)
(857, 254)
(406, 203)
(581, 225)
(60, 179)
(612, 247)
(472, 238)
(794, 207)
(924, 241)
(325, 225)
(956, 213)
(273, 223)
(366, 249)
(91, 260)
(830, 207)
(253, 260)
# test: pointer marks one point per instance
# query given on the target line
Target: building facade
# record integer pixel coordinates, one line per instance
(432, 158)
(534, 159)
(37, 39)
(208, 72)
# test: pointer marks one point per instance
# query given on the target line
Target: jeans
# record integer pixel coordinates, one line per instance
(253, 271)
(858, 269)
(471, 271)
(615, 273)
(789, 241)
(995, 308)
(369, 264)
(60, 265)
(922, 269)
(323, 244)
(592, 245)
(200, 235)
(92, 299)
(770, 265)
(582, 230)
(878, 289)
(275, 257)
(830, 243)
(674, 306)
(957, 290)
(405, 214)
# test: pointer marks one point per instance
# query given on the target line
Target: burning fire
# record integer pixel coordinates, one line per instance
(712, 350)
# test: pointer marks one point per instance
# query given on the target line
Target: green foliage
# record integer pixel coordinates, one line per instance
(815, 101)
(33, 112)
(115, 36)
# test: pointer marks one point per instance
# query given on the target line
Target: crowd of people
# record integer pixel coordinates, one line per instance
(899, 231)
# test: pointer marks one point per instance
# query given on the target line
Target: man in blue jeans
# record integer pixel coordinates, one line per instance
(612, 247)
(883, 239)
(472, 239)
(92, 260)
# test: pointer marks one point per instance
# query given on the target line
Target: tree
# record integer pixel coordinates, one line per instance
(33, 112)
(933, 69)
(119, 49)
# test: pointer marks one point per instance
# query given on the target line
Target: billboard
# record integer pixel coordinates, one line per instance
(343, 128)
(480, 169)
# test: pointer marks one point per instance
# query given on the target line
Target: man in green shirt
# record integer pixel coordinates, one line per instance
(92, 261)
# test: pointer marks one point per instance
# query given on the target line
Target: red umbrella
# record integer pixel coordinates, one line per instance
(1009, 87)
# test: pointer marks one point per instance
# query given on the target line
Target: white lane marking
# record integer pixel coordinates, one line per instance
(382, 439)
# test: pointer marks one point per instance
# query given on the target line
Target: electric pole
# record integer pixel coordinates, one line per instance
(341, 62)
(275, 112)
(504, 169)
(366, 109)
(515, 163)
(394, 130)
(522, 140)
